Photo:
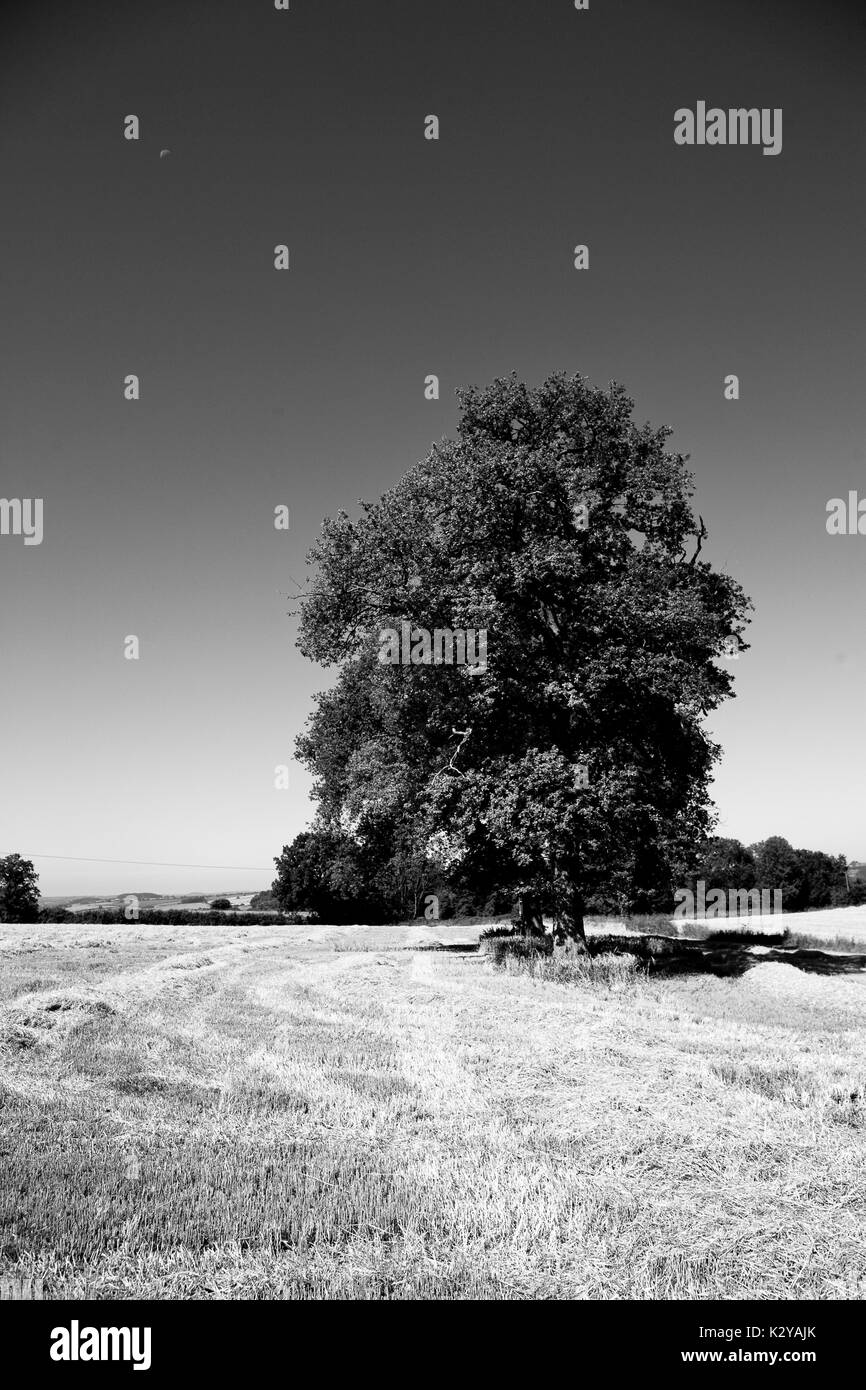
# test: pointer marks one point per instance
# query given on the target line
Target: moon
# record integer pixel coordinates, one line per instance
(163, 153)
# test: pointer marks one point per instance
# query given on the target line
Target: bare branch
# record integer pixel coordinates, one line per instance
(701, 536)
(465, 734)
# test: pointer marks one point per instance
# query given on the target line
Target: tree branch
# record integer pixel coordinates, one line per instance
(701, 536)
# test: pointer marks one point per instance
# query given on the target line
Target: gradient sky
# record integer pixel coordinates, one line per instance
(306, 387)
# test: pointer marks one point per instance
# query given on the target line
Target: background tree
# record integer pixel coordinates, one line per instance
(807, 878)
(566, 531)
(19, 892)
(264, 902)
(856, 892)
(724, 863)
(326, 872)
(823, 878)
(778, 867)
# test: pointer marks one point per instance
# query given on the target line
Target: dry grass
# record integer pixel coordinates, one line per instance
(315, 1112)
(824, 925)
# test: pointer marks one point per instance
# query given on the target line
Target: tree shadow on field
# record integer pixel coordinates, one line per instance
(666, 956)
(462, 948)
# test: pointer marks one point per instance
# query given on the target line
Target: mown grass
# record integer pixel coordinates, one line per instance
(279, 1118)
(809, 941)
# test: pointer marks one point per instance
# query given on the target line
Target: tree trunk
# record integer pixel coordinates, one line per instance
(530, 919)
(570, 925)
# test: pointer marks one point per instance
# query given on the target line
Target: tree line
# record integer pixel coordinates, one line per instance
(329, 879)
(337, 879)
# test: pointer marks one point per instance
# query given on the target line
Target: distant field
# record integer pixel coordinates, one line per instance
(149, 901)
(828, 922)
(346, 1112)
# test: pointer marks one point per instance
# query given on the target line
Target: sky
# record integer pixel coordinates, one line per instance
(305, 387)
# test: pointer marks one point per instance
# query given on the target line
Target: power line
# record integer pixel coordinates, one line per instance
(152, 863)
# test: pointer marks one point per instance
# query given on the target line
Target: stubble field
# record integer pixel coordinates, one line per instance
(356, 1112)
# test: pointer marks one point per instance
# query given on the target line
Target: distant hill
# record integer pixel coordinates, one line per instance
(165, 902)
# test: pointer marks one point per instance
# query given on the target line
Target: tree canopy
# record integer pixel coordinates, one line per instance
(19, 890)
(575, 760)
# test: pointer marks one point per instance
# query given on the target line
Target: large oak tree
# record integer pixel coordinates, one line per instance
(566, 531)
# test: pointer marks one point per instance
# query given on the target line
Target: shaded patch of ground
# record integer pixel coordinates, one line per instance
(670, 955)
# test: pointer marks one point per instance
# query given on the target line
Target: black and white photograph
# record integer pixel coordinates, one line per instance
(432, 578)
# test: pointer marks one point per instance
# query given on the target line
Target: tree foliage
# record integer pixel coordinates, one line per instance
(603, 647)
(807, 879)
(19, 891)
